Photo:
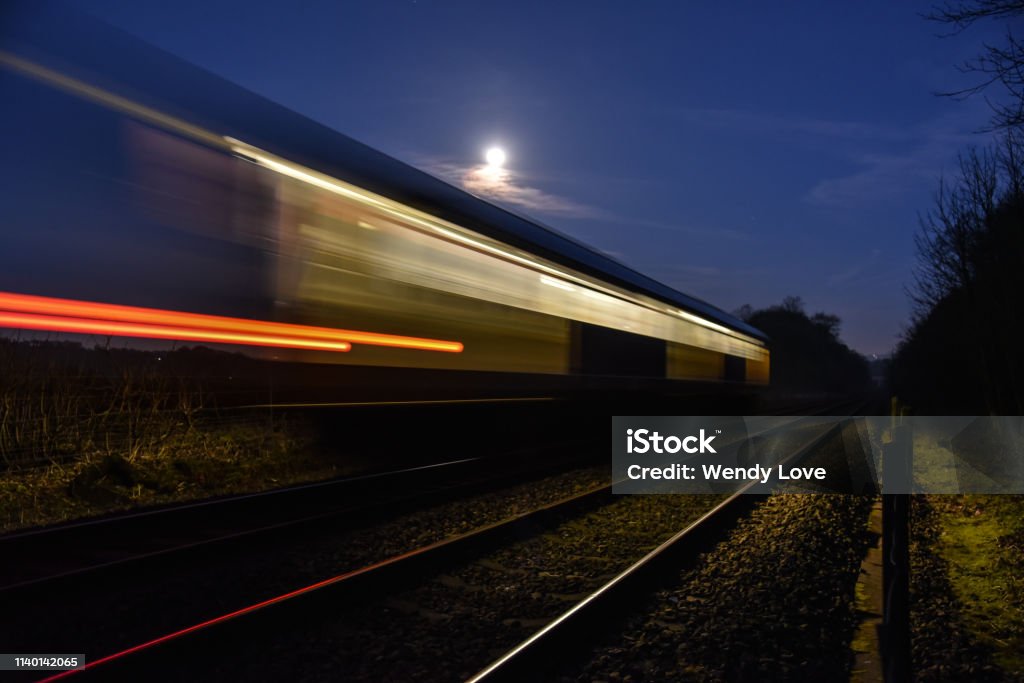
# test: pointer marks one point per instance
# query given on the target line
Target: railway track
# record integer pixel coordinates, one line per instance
(120, 543)
(323, 626)
(111, 607)
(588, 619)
(352, 588)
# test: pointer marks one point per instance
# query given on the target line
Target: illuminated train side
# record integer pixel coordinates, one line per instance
(174, 205)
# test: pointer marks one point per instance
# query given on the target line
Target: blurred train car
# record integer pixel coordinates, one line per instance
(130, 177)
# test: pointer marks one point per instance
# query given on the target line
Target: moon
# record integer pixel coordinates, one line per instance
(495, 157)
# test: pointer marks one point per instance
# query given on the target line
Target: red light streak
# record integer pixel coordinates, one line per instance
(245, 610)
(87, 317)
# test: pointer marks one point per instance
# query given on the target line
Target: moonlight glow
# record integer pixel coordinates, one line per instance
(495, 156)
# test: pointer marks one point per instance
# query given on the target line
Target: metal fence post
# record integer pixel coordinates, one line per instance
(897, 475)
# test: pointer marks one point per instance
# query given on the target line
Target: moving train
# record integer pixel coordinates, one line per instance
(146, 198)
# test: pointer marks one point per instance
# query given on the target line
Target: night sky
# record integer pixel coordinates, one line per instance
(740, 155)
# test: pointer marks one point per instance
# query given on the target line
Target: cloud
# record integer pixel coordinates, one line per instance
(882, 178)
(512, 189)
(506, 187)
(690, 270)
(889, 160)
(503, 186)
(727, 233)
(855, 271)
(777, 124)
(886, 175)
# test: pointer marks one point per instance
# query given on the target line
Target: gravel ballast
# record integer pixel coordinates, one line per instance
(454, 624)
(773, 602)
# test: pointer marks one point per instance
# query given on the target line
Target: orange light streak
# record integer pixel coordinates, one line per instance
(53, 323)
(284, 334)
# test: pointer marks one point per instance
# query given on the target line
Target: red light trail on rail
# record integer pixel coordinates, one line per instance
(24, 311)
(395, 559)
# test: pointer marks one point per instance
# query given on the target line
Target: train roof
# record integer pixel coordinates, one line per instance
(82, 47)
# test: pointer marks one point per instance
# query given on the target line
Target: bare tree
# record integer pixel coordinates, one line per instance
(793, 304)
(1001, 64)
(1012, 162)
(970, 253)
(948, 239)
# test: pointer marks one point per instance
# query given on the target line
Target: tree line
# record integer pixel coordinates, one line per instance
(807, 354)
(964, 350)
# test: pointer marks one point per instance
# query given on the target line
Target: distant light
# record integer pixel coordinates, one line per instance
(495, 156)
